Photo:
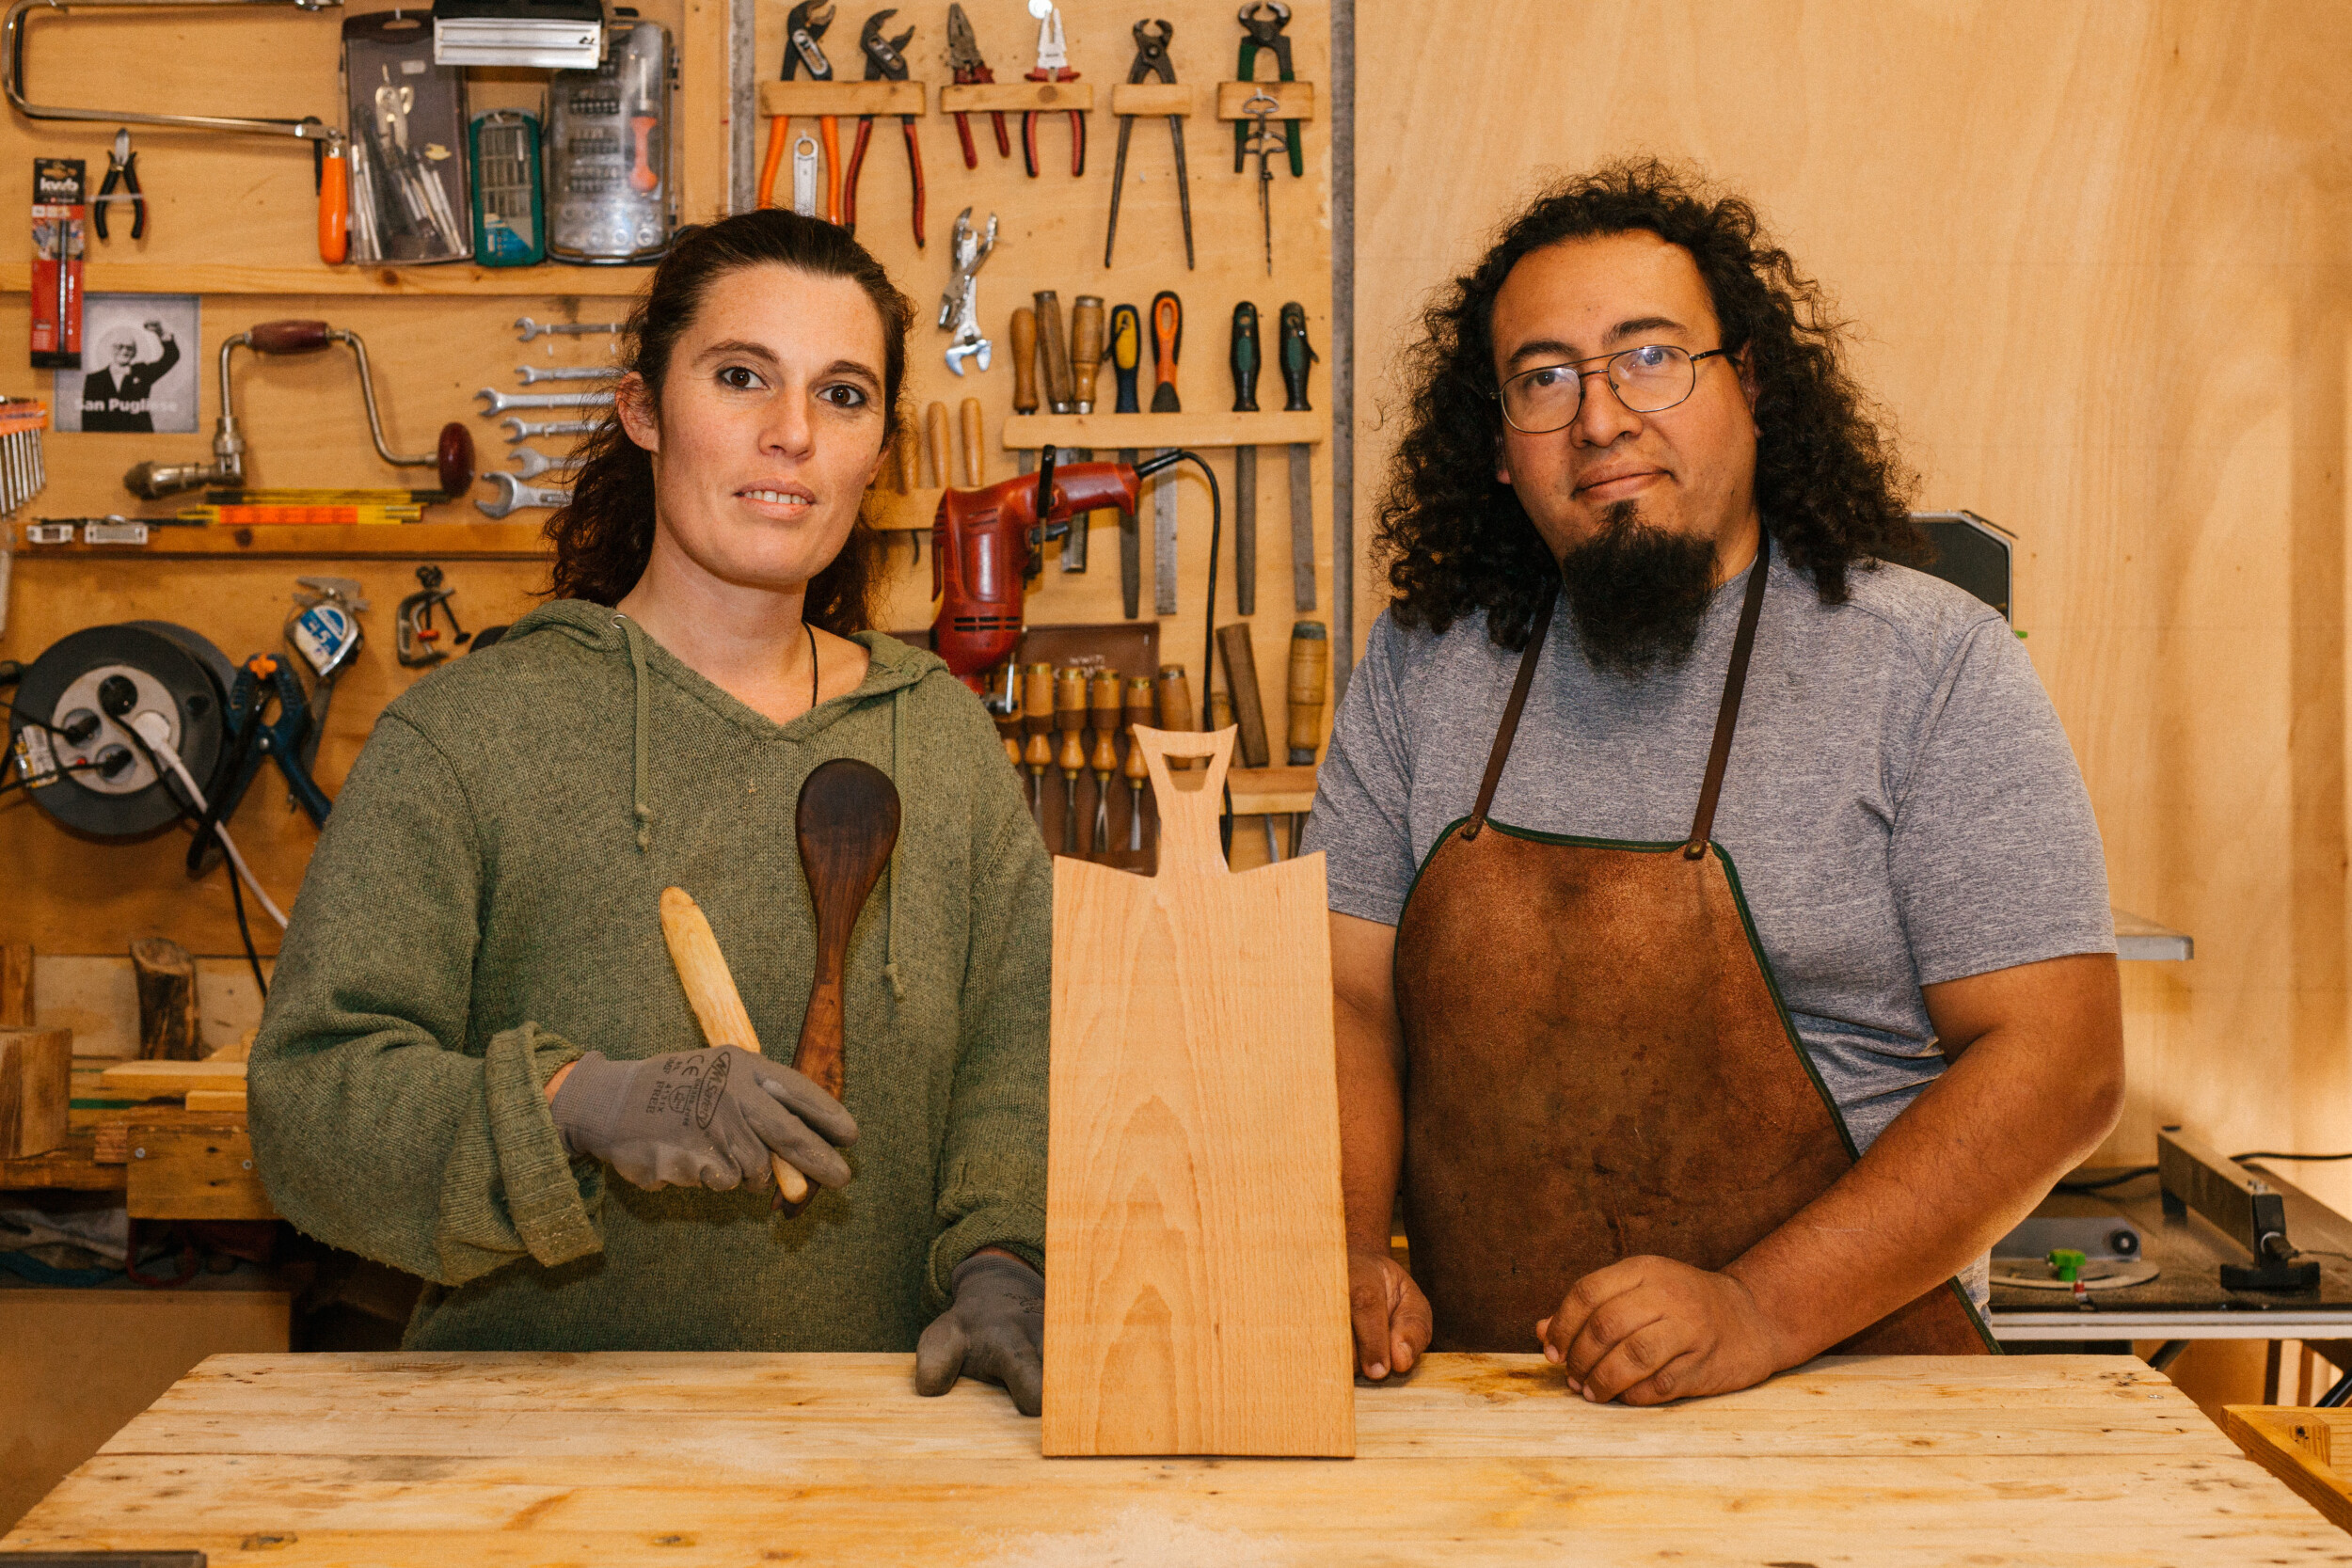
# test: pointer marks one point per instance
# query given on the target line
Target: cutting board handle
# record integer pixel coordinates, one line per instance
(1189, 843)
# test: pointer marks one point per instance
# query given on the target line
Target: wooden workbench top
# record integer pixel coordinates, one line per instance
(687, 1459)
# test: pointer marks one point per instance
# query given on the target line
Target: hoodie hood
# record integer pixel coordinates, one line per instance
(893, 668)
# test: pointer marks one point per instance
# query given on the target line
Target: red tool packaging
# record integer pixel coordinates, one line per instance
(61, 221)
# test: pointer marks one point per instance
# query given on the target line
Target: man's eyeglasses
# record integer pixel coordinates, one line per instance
(1647, 380)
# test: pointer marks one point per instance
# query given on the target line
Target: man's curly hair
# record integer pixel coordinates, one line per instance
(1828, 485)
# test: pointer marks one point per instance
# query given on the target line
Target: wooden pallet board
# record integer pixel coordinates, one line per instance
(1197, 1301)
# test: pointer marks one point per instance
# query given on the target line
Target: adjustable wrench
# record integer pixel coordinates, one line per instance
(499, 402)
(959, 306)
(531, 330)
(533, 373)
(529, 462)
(513, 494)
(522, 429)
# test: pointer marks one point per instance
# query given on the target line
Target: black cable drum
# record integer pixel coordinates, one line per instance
(156, 663)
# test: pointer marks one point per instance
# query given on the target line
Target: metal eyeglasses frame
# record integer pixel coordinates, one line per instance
(1607, 363)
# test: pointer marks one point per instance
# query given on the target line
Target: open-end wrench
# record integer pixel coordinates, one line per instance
(531, 374)
(531, 330)
(522, 429)
(513, 494)
(529, 462)
(499, 402)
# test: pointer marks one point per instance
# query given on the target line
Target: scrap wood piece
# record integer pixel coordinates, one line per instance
(165, 973)
(16, 984)
(36, 1085)
(170, 1080)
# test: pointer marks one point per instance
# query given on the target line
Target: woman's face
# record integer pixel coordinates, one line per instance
(771, 425)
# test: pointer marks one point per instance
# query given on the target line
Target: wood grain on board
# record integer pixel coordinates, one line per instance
(515, 1459)
(1198, 1297)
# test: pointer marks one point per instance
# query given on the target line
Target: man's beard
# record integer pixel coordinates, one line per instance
(1638, 594)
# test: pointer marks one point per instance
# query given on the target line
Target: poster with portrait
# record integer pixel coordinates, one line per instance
(139, 362)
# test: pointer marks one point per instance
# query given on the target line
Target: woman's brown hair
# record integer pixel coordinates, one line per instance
(604, 537)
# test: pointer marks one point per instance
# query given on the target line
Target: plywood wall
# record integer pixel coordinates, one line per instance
(2100, 256)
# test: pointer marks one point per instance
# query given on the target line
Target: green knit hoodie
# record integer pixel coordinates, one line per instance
(484, 907)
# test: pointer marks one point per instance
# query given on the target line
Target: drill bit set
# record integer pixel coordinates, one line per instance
(22, 474)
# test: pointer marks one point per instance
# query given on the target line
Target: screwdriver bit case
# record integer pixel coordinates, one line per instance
(411, 200)
(610, 196)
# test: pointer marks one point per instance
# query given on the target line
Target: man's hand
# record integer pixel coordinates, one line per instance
(1647, 1330)
(994, 1331)
(163, 333)
(1388, 1313)
(700, 1119)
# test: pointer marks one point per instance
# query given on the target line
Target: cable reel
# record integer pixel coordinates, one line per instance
(69, 726)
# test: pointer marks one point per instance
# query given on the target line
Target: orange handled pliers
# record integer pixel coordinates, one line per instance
(802, 52)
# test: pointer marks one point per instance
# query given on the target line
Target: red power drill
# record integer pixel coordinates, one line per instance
(986, 543)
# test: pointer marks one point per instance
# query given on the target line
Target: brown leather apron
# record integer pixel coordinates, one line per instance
(1600, 1065)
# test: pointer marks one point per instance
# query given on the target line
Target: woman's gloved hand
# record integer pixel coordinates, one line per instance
(994, 1331)
(701, 1118)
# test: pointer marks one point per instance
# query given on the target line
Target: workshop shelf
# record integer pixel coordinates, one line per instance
(316, 278)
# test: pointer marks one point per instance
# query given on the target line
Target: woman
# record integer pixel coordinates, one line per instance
(475, 1017)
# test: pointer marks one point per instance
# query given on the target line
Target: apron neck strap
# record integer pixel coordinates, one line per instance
(1727, 716)
(1510, 726)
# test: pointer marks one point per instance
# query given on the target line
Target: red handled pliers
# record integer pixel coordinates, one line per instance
(885, 61)
(1052, 65)
(963, 53)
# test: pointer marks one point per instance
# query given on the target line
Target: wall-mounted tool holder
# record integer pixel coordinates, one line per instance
(410, 199)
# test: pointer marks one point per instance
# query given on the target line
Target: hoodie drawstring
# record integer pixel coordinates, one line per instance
(642, 780)
(890, 906)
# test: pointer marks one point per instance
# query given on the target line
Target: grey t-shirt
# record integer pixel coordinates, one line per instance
(1901, 803)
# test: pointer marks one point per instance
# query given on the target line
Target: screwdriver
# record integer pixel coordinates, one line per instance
(1127, 354)
(1025, 374)
(1246, 362)
(1168, 342)
(1085, 363)
(1104, 711)
(1037, 716)
(1069, 717)
(1139, 711)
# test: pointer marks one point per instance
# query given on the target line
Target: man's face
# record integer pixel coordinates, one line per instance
(770, 426)
(1689, 471)
(124, 351)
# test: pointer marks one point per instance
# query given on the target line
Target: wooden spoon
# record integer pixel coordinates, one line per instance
(848, 822)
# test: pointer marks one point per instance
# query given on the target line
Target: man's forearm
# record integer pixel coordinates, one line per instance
(1953, 1174)
(1372, 1130)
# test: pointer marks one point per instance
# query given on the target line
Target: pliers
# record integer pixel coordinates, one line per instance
(885, 61)
(802, 28)
(1151, 41)
(123, 168)
(1052, 65)
(1263, 22)
(263, 678)
(963, 53)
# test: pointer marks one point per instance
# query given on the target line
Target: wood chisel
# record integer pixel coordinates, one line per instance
(975, 455)
(1296, 355)
(1138, 710)
(1241, 680)
(1085, 364)
(935, 443)
(1309, 685)
(1054, 348)
(1167, 342)
(1103, 711)
(718, 1008)
(1070, 718)
(1024, 377)
(1244, 359)
(1037, 716)
(1176, 709)
(1127, 354)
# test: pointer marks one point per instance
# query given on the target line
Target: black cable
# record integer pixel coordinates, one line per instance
(1208, 634)
(252, 955)
(236, 893)
(2131, 1174)
(2267, 1154)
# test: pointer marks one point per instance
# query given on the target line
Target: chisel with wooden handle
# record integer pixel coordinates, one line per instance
(935, 443)
(718, 1007)
(1025, 376)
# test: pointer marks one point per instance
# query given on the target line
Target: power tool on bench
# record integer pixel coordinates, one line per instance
(986, 543)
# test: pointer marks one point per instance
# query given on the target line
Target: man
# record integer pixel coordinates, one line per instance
(1725, 962)
(115, 395)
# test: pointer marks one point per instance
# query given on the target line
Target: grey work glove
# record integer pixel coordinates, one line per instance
(994, 1331)
(701, 1118)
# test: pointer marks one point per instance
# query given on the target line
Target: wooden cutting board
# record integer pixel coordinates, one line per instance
(1195, 1276)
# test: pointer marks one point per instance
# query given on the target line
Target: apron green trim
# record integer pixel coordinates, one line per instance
(1764, 966)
